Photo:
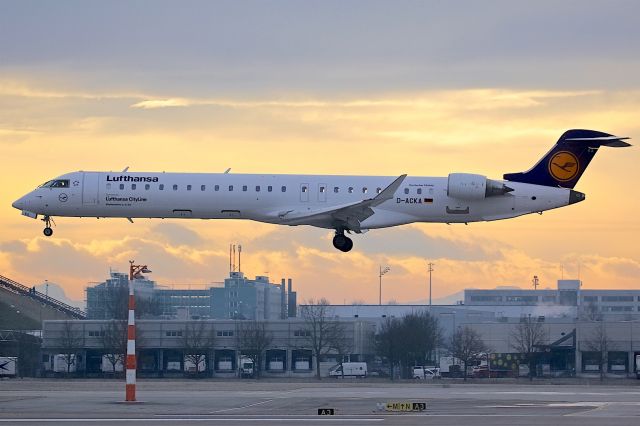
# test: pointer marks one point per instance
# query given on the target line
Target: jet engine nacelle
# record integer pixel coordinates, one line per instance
(468, 186)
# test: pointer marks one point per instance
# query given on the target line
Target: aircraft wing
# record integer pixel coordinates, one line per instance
(347, 216)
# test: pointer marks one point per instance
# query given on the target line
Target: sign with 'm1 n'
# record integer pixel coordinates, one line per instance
(406, 406)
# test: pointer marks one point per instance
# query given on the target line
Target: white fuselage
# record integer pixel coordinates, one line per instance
(279, 199)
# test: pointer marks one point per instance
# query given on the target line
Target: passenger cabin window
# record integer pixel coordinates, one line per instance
(406, 190)
(304, 189)
(146, 187)
(161, 187)
(133, 186)
(175, 187)
(419, 190)
(257, 188)
(188, 187)
(284, 189)
(230, 188)
(364, 190)
(322, 189)
(336, 189)
(244, 188)
(216, 188)
(350, 190)
(203, 187)
(269, 188)
(122, 186)
(378, 190)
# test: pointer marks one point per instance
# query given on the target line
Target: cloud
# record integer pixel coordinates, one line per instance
(177, 234)
(471, 99)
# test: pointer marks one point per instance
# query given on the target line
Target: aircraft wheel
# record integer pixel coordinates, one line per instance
(48, 231)
(339, 241)
(342, 242)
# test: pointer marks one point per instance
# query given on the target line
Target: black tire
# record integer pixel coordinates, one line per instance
(340, 241)
(47, 232)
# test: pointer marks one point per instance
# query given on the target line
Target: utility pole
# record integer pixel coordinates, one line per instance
(430, 270)
(382, 272)
(536, 282)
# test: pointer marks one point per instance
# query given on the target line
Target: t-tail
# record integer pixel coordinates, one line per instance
(568, 159)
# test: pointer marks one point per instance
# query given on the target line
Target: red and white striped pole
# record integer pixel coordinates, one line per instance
(131, 348)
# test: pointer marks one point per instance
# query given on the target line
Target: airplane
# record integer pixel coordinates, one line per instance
(346, 204)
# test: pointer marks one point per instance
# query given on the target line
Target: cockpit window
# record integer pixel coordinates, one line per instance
(56, 183)
(60, 183)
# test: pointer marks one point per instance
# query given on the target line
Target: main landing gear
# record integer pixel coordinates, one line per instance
(47, 223)
(342, 242)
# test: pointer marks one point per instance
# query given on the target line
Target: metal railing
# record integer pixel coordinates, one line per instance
(16, 287)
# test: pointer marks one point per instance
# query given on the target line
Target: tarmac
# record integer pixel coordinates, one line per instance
(358, 402)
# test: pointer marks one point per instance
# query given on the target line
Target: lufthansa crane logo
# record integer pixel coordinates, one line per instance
(564, 166)
(63, 197)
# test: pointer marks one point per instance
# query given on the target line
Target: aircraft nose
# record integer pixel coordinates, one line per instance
(19, 204)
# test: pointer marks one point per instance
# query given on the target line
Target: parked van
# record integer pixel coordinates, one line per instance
(349, 369)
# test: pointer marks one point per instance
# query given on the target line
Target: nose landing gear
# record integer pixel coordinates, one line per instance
(342, 242)
(47, 223)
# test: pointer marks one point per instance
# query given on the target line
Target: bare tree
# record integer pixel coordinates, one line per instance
(197, 340)
(70, 344)
(421, 335)
(600, 343)
(408, 341)
(388, 343)
(253, 341)
(114, 342)
(466, 345)
(527, 337)
(321, 331)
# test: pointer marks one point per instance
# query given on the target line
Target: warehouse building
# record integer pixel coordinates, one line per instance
(162, 345)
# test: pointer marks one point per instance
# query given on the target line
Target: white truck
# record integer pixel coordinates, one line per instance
(246, 367)
(349, 369)
(8, 366)
(450, 366)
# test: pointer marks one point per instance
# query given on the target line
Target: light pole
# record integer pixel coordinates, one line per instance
(430, 270)
(382, 272)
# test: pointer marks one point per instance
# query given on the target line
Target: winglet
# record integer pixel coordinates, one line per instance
(387, 193)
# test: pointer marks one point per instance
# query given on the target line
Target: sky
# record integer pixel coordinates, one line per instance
(360, 87)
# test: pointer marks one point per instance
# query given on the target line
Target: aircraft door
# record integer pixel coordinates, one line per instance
(90, 187)
(304, 192)
(322, 192)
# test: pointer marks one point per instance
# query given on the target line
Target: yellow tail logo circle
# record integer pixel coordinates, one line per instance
(564, 166)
